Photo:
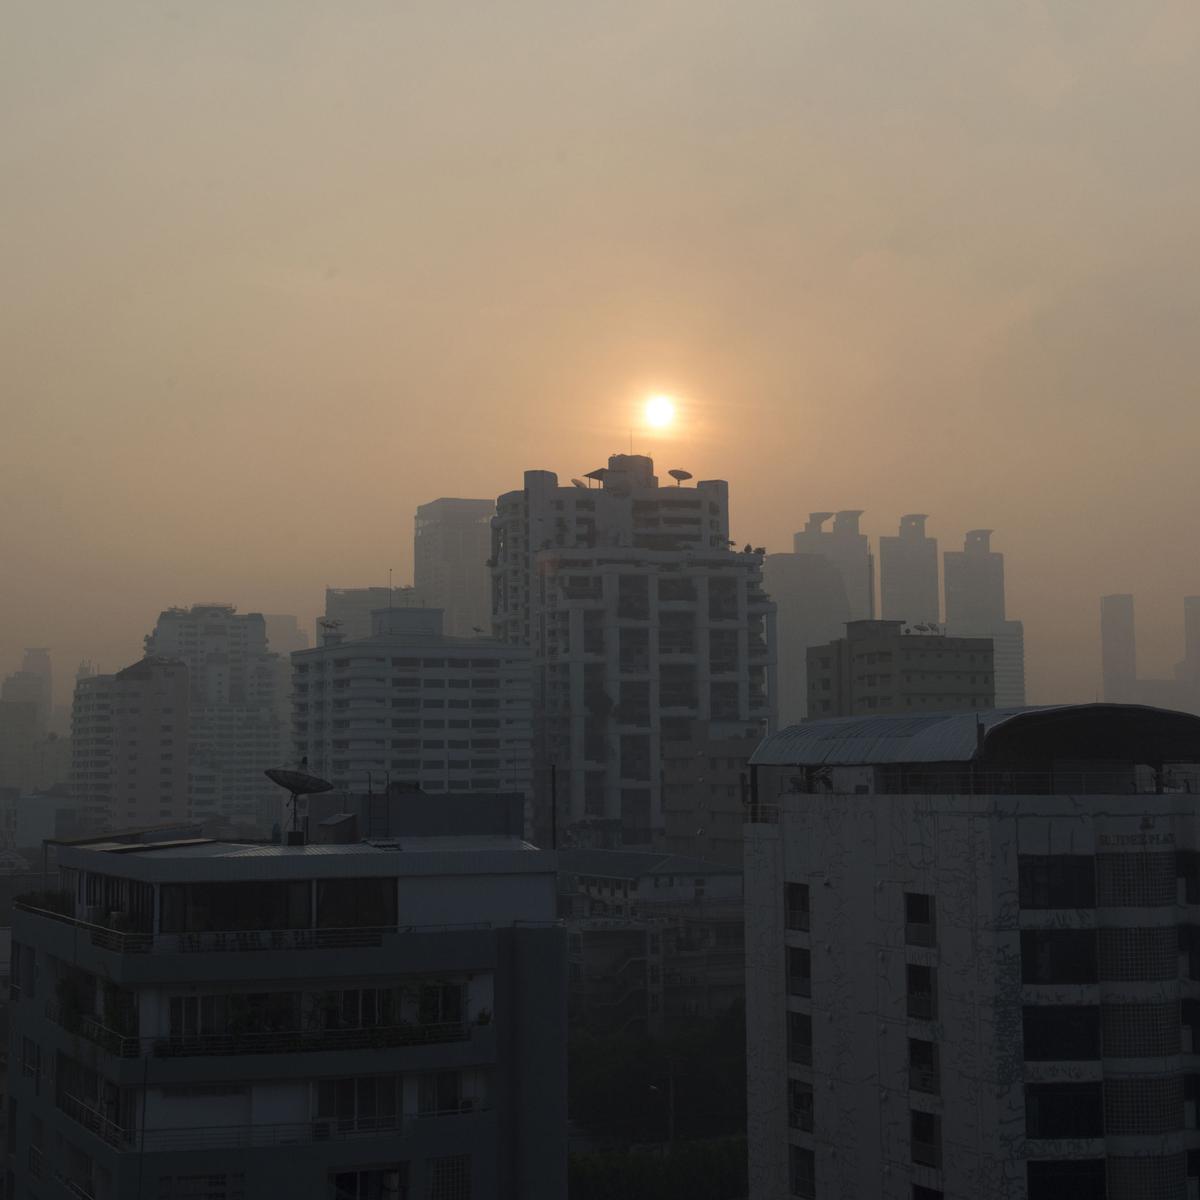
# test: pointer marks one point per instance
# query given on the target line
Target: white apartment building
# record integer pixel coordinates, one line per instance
(410, 704)
(235, 722)
(641, 620)
(375, 1020)
(973, 958)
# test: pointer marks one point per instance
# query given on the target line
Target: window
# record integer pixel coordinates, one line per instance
(372, 1183)
(921, 991)
(1058, 956)
(1061, 1033)
(796, 897)
(799, 968)
(1057, 881)
(800, 1105)
(926, 1139)
(800, 1038)
(919, 928)
(1064, 1110)
(802, 1172)
(371, 1103)
(450, 1178)
(439, 1092)
(924, 1074)
(1077, 1179)
(355, 903)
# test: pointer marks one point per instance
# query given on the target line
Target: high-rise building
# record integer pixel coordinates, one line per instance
(20, 730)
(451, 544)
(130, 745)
(971, 956)
(812, 608)
(908, 574)
(878, 667)
(284, 634)
(369, 1019)
(849, 550)
(92, 747)
(641, 620)
(975, 607)
(414, 705)
(1118, 649)
(351, 608)
(32, 684)
(235, 722)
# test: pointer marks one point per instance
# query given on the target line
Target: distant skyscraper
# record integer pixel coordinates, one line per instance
(849, 550)
(93, 747)
(1118, 649)
(809, 591)
(908, 574)
(33, 684)
(284, 634)
(20, 731)
(975, 607)
(235, 723)
(641, 620)
(352, 608)
(451, 546)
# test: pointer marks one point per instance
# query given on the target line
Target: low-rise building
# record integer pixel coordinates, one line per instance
(883, 667)
(378, 1019)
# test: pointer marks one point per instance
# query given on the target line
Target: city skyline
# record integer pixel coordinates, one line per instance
(909, 261)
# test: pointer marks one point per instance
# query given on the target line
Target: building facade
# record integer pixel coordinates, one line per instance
(235, 724)
(351, 608)
(850, 552)
(201, 1018)
(641, 620)
(411, 704)
(452, 541)
(971, 963)
(879, 667)
(93, 728)
(908, 574)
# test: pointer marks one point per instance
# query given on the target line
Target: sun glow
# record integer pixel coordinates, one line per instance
(660, 411)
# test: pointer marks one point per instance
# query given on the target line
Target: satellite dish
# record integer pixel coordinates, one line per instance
(679, 476)
(579, 483)
(298, 783)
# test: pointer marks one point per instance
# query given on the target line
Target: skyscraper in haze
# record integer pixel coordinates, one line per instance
(352, 608)
(235, 722)
(849, 551)
(1118, 649)
(451, 545)
(32, 684)
(641, 621)
(975, 607)
(908, 574)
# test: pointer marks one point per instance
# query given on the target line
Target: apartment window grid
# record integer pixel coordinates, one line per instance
(1139, 954)
(1136, 880)
(450, 1178)
(1159, 1178)
(1141, 1030)
(1134, 1107)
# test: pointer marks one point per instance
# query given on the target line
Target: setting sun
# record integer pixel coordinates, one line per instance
(660, 411)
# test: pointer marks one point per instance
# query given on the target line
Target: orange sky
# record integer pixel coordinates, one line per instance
(277, 272)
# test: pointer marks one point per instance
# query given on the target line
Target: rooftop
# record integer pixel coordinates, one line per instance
(1127, 733)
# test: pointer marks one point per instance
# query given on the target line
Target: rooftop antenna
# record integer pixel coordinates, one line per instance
(298, 784)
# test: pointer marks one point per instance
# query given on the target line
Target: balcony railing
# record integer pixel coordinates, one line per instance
(224, 941)
(241, 1136)
(920, 933)
(377, 1037)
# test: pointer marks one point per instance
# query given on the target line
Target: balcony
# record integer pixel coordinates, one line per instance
(243, 1137)
(377, 1037)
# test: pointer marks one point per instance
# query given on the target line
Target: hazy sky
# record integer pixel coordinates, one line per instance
(276, 271)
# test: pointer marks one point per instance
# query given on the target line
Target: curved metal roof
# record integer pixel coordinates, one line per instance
(963, 736)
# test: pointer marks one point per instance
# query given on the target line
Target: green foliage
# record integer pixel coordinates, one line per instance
(711, 1170)
(620, 1085)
